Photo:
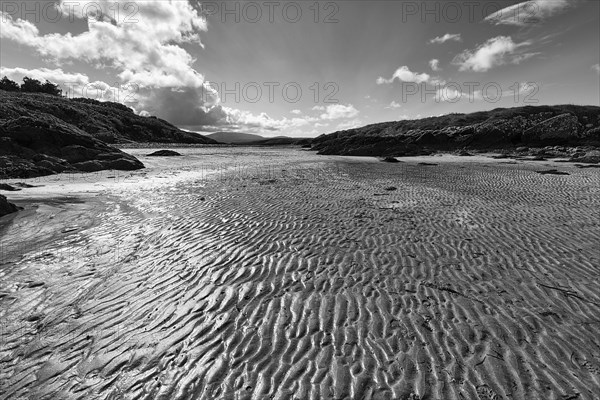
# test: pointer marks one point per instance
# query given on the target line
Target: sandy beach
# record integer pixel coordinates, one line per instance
(276, 273)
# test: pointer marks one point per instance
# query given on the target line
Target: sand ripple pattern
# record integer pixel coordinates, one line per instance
(312, 281)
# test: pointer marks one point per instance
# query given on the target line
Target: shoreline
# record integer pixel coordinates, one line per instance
(63, 187)
(73, 188)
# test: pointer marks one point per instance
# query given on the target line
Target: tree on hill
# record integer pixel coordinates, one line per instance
(8, 85)
(34, 86)
(31, 85)
(51, 88)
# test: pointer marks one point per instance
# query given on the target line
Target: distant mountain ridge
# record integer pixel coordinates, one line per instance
(281, 141)
(234, 137)
(253, 139)
(502, 128)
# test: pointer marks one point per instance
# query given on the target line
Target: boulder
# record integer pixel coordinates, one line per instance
(591, 157)
(88, 166)
(6, 207)
(123, 164)
(52, 166)
(76, 153)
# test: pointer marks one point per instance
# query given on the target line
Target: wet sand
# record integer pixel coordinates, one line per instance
(249, 273)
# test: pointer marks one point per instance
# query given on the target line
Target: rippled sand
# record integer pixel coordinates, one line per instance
(280, 274)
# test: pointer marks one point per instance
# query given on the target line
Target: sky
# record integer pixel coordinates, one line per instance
(305, 68)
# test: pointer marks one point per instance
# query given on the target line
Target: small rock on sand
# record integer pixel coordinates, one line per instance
(591, 157)
(587, 166)
(552, 172)
(164, 153)
(8, 188)
(25, 185)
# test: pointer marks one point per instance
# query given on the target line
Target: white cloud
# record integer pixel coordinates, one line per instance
(455, 37)
(146, 52)
(337, 111)
(264, 121)
(297, 112)
(596, 68)
(72, 84)
(528, 12)
(57, 76)
(496, 51)
(404, 74)
(434, 64)
(354, 123)
(394, 105)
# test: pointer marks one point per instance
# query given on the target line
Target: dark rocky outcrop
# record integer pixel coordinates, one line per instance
(6, 207)
(44, 145)
(591, 157)
(164, 153)
(499, 129)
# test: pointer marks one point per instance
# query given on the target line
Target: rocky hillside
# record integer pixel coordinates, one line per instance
(542, 126)
(41, 134)
(110, 122)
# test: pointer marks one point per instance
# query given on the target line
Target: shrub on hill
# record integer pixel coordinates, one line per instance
(8, 85)
(30, 85)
